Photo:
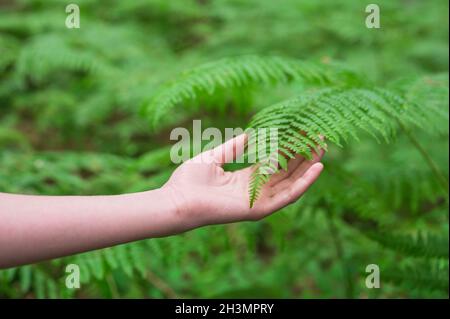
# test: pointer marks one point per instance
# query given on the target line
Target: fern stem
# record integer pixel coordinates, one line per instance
(433, 166)
(112, 286)
(161, 285)
(349, 288)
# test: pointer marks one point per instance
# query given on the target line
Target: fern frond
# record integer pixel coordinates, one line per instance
(431, 92)
(47, 54)
(336, 114)
(422, 245)
(257, 180)
(240, 72)
(424, 276)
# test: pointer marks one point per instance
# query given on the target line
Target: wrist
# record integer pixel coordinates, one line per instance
(153, 213)
(183, 208)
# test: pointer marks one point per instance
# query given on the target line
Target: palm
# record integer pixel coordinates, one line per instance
(216, 196)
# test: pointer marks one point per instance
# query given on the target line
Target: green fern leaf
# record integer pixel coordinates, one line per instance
(424, 276)
(422, 245)
(239, 72)
(336, 114)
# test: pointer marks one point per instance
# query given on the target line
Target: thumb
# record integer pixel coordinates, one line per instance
(230, 150)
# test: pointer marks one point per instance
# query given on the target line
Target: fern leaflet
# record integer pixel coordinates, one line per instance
(240, 72)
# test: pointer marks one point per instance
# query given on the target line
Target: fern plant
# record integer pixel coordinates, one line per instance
(69, 125)
(428, 250)
(240, 72)
(338, 112)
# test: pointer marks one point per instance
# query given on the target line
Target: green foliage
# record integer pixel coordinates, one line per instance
(71, 123)
(422, 245)
(426, 277)
(335, 114)
(239, 72)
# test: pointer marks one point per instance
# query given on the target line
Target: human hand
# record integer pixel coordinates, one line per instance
(199, 193)
(206, 194)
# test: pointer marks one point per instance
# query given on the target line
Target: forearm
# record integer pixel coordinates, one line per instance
(35, 228)
(199, 192)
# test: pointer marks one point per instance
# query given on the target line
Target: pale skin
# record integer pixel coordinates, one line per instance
(199, 193)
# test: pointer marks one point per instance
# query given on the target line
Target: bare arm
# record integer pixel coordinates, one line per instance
(35, 228)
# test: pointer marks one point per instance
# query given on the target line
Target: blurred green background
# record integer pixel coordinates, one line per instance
(70, 123)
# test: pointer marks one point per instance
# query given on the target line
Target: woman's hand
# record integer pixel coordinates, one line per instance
(205, 194)
(34, 228)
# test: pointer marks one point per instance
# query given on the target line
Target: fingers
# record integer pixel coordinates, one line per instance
(294, 190)
(297, 172)
(224, 153)
(297, 166)
(230, 150)
(283, 174)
